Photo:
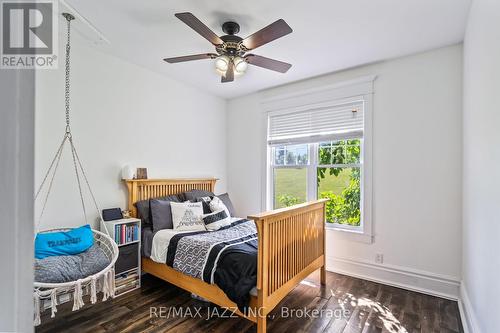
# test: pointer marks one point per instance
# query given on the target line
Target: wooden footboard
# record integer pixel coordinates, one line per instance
(291, 246)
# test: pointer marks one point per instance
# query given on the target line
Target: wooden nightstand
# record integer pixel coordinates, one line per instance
(127, 235)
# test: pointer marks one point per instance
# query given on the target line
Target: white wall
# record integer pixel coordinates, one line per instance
(124, 114)
(417, 149)
(17, 89)
(481, 178)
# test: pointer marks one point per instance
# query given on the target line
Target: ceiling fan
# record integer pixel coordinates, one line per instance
(231, 57)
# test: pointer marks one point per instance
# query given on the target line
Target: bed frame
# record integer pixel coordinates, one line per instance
(291, 246)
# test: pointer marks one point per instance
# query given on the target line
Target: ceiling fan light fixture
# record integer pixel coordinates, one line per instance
(230, 58)
(240, 65)
(222, 63)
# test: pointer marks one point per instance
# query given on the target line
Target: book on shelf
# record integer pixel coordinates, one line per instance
(127, 273)
(122, 281)
(126, 233)
(126, 287)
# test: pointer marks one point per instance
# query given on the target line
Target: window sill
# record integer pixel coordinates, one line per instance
(350, 234)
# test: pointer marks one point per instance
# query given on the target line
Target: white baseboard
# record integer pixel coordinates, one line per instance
(467, 314)
(403, 277)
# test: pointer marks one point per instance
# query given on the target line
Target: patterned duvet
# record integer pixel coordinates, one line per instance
(226, 257)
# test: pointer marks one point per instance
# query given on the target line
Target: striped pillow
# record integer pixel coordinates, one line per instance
(205, 201)
(216, 204)
(216, 220)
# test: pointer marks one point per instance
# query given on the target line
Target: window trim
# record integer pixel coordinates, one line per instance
(361, 88)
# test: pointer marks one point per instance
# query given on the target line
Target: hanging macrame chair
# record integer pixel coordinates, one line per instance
(101, 281)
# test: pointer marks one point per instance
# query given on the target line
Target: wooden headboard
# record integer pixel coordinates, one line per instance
(143, 189)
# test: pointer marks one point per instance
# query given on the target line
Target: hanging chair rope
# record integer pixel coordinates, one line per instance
(50, 167)
(53, 165)
(78, 178)
(68, 137)
(86, 180)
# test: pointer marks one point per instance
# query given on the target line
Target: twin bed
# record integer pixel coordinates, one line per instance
(249, 266)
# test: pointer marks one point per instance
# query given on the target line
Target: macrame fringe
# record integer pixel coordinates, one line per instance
(77, 296)
(107, 285)
(108, 288)
(36, 306)
(112, 281)
(53, 302)
(93, 290)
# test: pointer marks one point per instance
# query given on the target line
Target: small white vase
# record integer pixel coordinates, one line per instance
(128, 172)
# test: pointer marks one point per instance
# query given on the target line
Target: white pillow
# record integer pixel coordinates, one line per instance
(216, 204)
(186, 216)
(216, 220)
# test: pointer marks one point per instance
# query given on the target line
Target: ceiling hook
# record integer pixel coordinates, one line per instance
(68, 16)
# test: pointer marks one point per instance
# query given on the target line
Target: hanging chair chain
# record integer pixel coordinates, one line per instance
(68, 17)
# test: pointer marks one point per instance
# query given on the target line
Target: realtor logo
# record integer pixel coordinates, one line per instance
(29, 34)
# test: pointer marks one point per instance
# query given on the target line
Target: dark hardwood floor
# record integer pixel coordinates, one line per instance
(348, 305)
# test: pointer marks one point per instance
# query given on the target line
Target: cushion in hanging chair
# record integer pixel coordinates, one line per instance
(59, 269)
(60, 243)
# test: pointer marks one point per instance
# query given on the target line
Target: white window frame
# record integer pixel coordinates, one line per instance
(349, 91)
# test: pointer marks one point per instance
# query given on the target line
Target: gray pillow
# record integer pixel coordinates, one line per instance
(227, 202)
(161, 215)
(143, 211)
(193, 195)
(144, 208)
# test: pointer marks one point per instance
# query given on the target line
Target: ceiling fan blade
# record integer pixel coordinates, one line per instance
(268, 63)
(191, 57)
(199, 27)
(229, 77)
(273, 31)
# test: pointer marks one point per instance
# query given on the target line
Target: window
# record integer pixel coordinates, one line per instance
(336, 167)
(290, 175)
(316, 153)
(339, 179)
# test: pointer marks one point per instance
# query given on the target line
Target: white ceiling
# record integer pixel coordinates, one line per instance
(328, 35)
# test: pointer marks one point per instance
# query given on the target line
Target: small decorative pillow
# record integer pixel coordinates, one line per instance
(216, 220)
(216, 204)
(186, 216)
(205, 201)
